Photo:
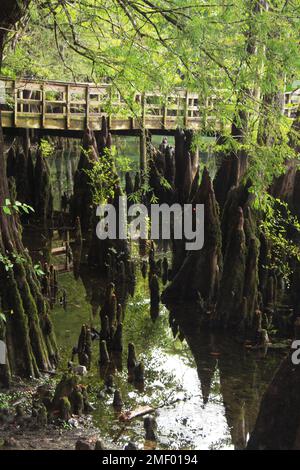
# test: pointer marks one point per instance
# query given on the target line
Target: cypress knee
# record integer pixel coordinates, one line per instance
(139, 373)
(131, 358)
(154, 292)
(118, 402)
(104, 356)
(150, 428)
(117, 341)
(119, 314)
(165, 268)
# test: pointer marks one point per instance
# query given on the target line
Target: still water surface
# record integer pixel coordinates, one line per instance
(207, 388)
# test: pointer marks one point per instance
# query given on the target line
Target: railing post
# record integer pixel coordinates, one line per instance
(43, 106)
(204, 113)
(21, 103)
(143, 151)
(186, 112)
(68, 107)
(87, 99)
(143, 144)
(15, 92)
(165, 110)
(143, 102)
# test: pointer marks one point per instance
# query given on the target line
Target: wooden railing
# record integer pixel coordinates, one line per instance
(37, 104)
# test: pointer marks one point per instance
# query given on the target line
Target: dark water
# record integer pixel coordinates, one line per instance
(207, 389)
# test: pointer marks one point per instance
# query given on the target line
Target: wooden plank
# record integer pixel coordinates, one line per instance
(186, 109)
(61, 102)
(15, 120)
(43, 106)
(28, 85)
(143, 103)
(61, 268)
(87, 110)
(129, 415)
(28, 101)
(68, 118)
(90, 97)
(60, 250)
(20, 101)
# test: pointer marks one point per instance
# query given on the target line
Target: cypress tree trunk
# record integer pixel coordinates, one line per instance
(25, 326)
(278, 423)
(228, 279)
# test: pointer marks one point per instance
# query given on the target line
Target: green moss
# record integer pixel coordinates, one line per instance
(65, 411)
(22, 362)
(37, 341)
(77, 402)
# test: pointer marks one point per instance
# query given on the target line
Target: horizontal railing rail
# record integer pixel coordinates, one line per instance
(36, 104)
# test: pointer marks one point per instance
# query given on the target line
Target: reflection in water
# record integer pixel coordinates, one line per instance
(63, 165)
(242, 376)
(206, 387)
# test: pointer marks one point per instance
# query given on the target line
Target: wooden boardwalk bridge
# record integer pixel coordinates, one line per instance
(71, 107)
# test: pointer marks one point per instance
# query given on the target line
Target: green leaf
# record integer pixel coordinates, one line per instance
(2, 317)
(6, 210)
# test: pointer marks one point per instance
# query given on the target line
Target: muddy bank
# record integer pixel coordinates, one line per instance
(22, 429)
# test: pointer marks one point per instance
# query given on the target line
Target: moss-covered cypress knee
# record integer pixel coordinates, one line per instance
(76, 400)
(165, 268)
(154, 291)
(117, 401)
(144, 269)
(131, 358)
(117, 340)
(139, 373)
(65, 411)
(150, 427)
(119, 314)
(77, 232)
(105, 330)
(84, 347)
(104, 356)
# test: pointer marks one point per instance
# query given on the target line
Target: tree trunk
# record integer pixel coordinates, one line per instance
(27, 329)
(278, 423)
